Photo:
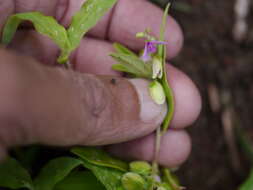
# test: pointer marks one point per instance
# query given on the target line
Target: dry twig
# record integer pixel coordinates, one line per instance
(241, 10)
(214, 97)
(229, 120)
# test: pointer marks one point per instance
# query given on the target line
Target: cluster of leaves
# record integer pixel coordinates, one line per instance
(67, 173)
(246, 146)
(66, 39)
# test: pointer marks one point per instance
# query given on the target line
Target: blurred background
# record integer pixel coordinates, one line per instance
(218, 56)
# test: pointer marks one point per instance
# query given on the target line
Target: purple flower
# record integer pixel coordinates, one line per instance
(150, 47)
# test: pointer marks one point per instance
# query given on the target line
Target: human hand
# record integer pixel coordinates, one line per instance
(54, 106)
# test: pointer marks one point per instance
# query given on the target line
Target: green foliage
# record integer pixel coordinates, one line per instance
(133, 181)
(110, 173)
(108, 170)
(132, 64)
(245, 143)
(43, 24)
(140, 167)
(124, 50)
(170, 180)
(246, 146)
(14, 176)
(55, 171)
(86, 18)
(80, 180)
(83, 20)
(105, 172)
(109, 177)
(100, 158)
(248, 184)
(27, 156)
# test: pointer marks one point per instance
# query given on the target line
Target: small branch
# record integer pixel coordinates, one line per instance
(171, 180)
(155, 169)
(214, 97)
(229, 121)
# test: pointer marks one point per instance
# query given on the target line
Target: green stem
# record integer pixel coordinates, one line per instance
(170, 179)
(157, 144)
(155, 169)
(164, 81)
(245, 143)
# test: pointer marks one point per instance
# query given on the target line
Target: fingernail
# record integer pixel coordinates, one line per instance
(149, 110)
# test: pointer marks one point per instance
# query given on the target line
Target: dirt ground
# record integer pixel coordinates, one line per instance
(223, 71)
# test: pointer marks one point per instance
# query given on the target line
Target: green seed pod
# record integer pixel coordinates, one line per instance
(156, 92)
(133, 181)
(140, 167)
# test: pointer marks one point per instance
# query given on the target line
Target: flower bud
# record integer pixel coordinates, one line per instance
(140, 167)
(156, 92)
(157, 178)
(140, 35)
(133, 181)
(157, 68)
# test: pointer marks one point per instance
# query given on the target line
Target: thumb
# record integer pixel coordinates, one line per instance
(55, 106)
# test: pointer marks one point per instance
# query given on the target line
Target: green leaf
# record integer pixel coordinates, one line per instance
(245, 143)
(80, 180)
(27, 156)
(126, 68)
(55, 171)
(133, 181)
(122, 68)
(170, 179)
(86, 18)
(124, 50)
(133, 65)
(248, 184)
(14, 176)
(126, 65)
(164, 81)
(100, 158)
(45, 25)
(166, 186)
(109, 177)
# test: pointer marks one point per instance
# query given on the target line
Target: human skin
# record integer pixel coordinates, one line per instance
(54, 106)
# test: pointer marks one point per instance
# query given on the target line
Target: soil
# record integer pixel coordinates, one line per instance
(223, 71)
